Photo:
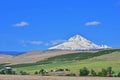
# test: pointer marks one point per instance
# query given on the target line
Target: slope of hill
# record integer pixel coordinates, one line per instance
(108, 57)
(13, 53)
(5, 58)
(33, 56)
(75, 61)
(80, 56)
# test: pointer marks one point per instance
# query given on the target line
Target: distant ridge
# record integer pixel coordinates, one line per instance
(14, 53)
(78, 42)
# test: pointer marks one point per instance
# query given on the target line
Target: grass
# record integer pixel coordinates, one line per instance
(76, 56)
(74, 66)
(73, 62)
(2, 65)
(111, 57)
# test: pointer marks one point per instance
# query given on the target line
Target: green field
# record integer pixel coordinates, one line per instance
(96, 61)
(74, 66)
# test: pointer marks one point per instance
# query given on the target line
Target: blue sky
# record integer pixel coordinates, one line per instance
(27, 25)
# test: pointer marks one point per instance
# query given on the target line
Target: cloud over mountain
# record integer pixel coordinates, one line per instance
(54, 42)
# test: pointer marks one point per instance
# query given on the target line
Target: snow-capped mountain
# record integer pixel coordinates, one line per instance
(78, 42)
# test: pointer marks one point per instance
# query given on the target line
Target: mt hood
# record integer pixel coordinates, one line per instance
(78, 42)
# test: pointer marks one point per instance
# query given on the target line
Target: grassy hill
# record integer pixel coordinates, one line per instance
(76, 56)
(74, 62)
(114, 56)
(32, 56)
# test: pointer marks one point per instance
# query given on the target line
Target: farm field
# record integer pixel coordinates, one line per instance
(19, 77)
(75, 62)
(74, 66)
(31, 56)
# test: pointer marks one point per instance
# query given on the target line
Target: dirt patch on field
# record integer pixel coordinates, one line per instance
(19, 77)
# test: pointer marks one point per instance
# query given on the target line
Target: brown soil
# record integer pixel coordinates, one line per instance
(19, 77)
(31, 57)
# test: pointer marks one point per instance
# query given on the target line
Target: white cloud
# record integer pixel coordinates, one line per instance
(93, 23)
(54, 42)
(47, 44)
(21, 24)
(33, 42)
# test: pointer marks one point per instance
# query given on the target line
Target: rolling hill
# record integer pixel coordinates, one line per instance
(114, 56)
(74, 62)
(32, 56)
(5, 58)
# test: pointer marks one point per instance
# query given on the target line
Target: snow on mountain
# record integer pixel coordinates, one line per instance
(78, 42)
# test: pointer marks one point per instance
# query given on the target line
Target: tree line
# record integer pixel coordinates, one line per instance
(108, 72)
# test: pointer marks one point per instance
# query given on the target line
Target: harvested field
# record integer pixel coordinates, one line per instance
(31, 57)
(19, 77)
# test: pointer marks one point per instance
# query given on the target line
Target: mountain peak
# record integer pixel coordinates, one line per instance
(78, 42)
(76, 38)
